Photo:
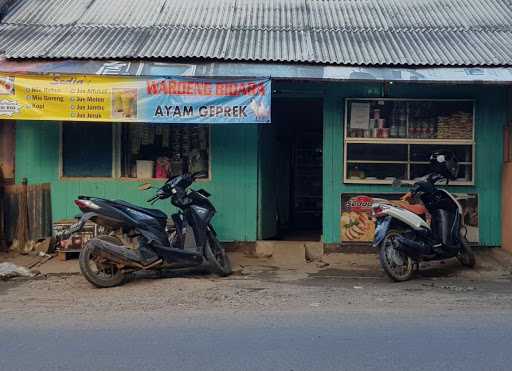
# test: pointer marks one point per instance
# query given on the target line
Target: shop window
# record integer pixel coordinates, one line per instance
(7, 149)
(160, 151)
(392, 138)
(87, 150)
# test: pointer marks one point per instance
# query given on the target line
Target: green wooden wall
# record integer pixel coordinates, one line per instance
(490, 119)
(233, 184)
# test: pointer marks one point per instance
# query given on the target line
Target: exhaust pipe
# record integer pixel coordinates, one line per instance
(411, 248)
(121, 255)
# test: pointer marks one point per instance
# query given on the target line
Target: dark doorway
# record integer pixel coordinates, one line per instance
(291, 170)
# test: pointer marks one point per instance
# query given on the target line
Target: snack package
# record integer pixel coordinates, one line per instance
(163, 167)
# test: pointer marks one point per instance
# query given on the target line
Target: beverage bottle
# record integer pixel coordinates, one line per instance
(403, 120)
(395, 122)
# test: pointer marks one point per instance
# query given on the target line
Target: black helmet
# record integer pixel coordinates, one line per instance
(445, 164)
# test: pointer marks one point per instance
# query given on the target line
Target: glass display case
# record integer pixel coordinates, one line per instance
(393, 138)
(162, 151)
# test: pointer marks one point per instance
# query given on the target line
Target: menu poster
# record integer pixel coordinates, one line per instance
(357, 225)
(360, 116)
(135, 99)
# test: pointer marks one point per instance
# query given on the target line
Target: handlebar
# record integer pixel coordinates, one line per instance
(428, 185)
(199, 174)
(153, 199)
(176, 185)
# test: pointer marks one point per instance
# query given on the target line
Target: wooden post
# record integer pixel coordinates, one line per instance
(22, 226)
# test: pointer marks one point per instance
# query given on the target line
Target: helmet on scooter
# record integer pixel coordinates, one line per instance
(445, 164)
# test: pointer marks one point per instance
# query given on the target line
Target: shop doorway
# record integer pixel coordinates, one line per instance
(290, 171)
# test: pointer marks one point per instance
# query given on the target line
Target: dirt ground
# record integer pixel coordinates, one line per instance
(348, 282)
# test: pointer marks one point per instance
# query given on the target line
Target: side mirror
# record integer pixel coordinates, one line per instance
(145, 187)
(397, 183)
(200, 174)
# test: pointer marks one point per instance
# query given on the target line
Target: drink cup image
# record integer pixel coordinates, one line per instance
(124, 103)
(117, 102)
(7, 85)
(129, 104)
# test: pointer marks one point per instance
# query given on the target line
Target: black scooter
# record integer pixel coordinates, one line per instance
(105, 260)
(403, 235)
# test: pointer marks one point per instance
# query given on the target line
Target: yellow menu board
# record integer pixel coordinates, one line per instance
(57, 97)
(124, 98)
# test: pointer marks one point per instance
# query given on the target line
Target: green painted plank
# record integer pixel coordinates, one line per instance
(233, 185)
(490, 119)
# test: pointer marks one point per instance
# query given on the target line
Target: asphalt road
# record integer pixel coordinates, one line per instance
(288, 340)
(346, 316)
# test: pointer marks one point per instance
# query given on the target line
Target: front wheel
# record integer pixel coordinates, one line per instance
(216, 256)
(466, 256)
(398, 266)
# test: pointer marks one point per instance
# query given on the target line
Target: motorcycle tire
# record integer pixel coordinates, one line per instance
(106, 276)
(466, 257)
(397, 273)
(216, 256)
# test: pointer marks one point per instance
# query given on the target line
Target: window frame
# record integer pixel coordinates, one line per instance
(117, 156)
(405, 141)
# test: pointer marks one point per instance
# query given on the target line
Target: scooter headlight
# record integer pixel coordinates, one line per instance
(378, 209)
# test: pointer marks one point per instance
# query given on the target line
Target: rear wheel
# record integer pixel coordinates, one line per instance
(398, 266)
(466, 256)
(98, 271)
(217, 257)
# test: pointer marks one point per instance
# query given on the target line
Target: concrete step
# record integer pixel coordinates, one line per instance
(289, 252)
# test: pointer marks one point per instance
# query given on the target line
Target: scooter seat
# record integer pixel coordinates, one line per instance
(416, 209)
(155, 213)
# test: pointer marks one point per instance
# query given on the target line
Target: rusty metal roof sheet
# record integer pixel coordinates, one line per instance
(345, 32)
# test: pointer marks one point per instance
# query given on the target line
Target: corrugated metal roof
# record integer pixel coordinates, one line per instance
(185, 43)
(46, 12)
(133, 13)
(350, 32)
(27, 41)
(204, 14)
(411, 14)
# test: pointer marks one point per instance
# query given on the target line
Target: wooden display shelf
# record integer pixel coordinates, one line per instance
(386, 182)
(409, 141)
(397, 162)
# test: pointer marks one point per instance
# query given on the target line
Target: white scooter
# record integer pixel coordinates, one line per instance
(403, 235)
